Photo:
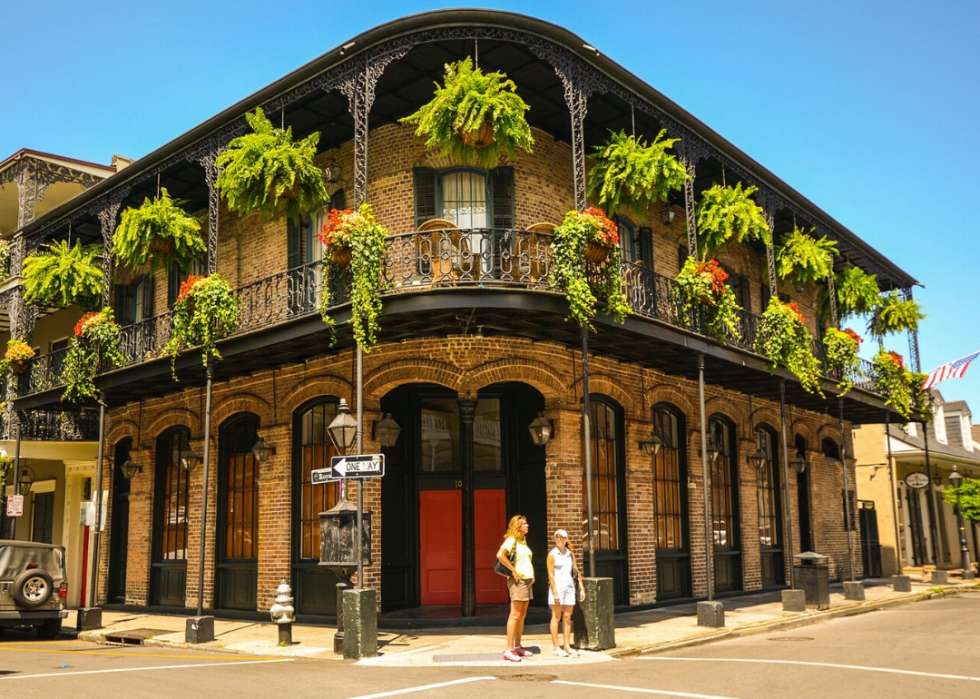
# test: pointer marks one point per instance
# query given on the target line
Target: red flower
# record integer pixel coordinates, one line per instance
(896, 358)
(608, 233)
(186, 289)
(796, 311)
(853, 335)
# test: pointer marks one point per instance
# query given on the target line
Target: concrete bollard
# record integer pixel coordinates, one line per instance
(940, 577)
(794, 601)
(199, 629)
(901, 583)
(360, 623)
(594, 622)
(711, 614)
(854, 591)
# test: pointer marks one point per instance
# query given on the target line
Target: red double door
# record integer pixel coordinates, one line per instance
(441, 546)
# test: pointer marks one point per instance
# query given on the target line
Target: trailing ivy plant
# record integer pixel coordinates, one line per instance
(895, 314)
(472, 115)
(64, 275)
(158, 233)
(842, 348)
(96, 345)
(4, 260)
(783, 338)
(568, 246)
(729, 213)
(6, 464)
(206, 310)
(631, 173)
(701, 287)
(268, 172)
(902, 388)
(803, 260)
(355, 234)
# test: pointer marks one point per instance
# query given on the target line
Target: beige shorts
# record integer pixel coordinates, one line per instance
(520, 590)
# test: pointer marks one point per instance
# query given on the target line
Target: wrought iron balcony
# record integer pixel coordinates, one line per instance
(423, 262)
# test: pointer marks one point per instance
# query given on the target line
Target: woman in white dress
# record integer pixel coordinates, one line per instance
(561, 592)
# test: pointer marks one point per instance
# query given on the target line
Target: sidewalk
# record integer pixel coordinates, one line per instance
(650, 631)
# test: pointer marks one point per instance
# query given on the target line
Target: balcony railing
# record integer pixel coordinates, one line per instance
(421, 262)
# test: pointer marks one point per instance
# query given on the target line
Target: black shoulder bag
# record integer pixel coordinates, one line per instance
(500, 569)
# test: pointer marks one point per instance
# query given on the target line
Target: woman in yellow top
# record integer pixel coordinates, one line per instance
(518, 584)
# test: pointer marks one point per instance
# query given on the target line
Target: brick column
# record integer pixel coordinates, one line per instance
(640, 515)
(194, 527)
(275, 515)
(695, 508)
(141, 527)
(748, 481)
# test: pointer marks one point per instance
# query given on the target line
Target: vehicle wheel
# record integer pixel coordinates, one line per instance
(49, 630)
(32, 588)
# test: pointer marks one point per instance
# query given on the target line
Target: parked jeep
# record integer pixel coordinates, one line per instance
(33, 586)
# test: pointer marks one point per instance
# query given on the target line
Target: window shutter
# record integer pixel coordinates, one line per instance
(337, 200)
(646, 247)
(765, 296)
(174, 278)
(121, 305)
(502, 188)
(294, 245)
(682, 255)
(148, 287)
(425, 194)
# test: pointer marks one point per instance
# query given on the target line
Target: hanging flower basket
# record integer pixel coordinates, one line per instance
(64, 275)
(18, 357)
(783, 338)
(355, 240)
(595, 253)
(158, 233)
(589, 236)
(97, 345)
(842, 356)
(702, 287)
(206, 310)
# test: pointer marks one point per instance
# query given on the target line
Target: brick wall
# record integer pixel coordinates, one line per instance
(467, 364)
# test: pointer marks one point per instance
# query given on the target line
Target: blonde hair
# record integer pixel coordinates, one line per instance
(514, 527)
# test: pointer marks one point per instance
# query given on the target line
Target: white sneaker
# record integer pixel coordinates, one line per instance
(512, 656)
(523, 652)
(573, 653)
(560, 653)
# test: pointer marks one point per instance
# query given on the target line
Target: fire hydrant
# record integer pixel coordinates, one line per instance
(282, 613)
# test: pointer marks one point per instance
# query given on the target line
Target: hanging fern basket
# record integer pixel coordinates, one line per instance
(596, 253)
(478, 138)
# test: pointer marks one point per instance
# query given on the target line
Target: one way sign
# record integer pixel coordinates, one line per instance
(362, 466)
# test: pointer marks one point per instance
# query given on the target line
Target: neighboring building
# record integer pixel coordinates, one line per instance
(928, 532)
(58, 447)
(474, 344)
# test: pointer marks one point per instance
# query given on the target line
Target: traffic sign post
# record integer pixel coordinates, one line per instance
(360, 467)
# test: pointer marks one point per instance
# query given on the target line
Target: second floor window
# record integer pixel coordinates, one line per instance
(464, 198)
(469, 198)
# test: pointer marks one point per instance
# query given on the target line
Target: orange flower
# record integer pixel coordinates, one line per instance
(187, 288)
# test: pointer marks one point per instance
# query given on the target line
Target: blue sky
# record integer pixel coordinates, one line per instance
(868, 108)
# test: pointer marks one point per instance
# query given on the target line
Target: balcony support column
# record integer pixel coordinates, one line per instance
(786, 489)
(848, 510)
(211, 172)
(832, 298)
(770, 215)
(689, 158)
(107, 219)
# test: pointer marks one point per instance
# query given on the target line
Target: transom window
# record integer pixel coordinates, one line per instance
(464, 198)
(668, 482)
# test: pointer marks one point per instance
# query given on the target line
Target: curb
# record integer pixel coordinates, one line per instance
(784, 624)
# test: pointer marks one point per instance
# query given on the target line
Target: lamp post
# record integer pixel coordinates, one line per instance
(955, 479)
(343, 433)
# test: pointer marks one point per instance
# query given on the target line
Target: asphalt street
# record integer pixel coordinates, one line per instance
(910, 652)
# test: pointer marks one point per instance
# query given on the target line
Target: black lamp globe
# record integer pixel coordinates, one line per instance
(343, 428)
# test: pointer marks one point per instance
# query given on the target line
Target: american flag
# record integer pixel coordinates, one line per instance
(953, 370)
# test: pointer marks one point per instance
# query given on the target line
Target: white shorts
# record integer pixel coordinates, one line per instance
(566, 598)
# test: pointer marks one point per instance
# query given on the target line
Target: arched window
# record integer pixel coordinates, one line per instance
(725, 523)
(831, 449)
(770, 522)
(169, 567)
(670, 505)
(314, 586)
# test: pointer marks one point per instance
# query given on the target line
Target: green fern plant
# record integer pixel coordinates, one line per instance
(64, 275)
(803, 260)
(472, 115)
(857, 294)
(268, 172)
(729, 213)
(159, 233)
(895, 314)
(631, 173)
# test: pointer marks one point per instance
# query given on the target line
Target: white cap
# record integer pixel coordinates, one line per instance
(561, 532)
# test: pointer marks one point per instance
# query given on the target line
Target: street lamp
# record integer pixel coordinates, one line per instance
(343, 428)
(262, 450)
(667, 215)
(798, 464)
(955, 479)
(387, 431)
(758, 459)
(715, 449)
(540, 429)
(652, 444)
(25, 481)
(130, 468)
(188, 459)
